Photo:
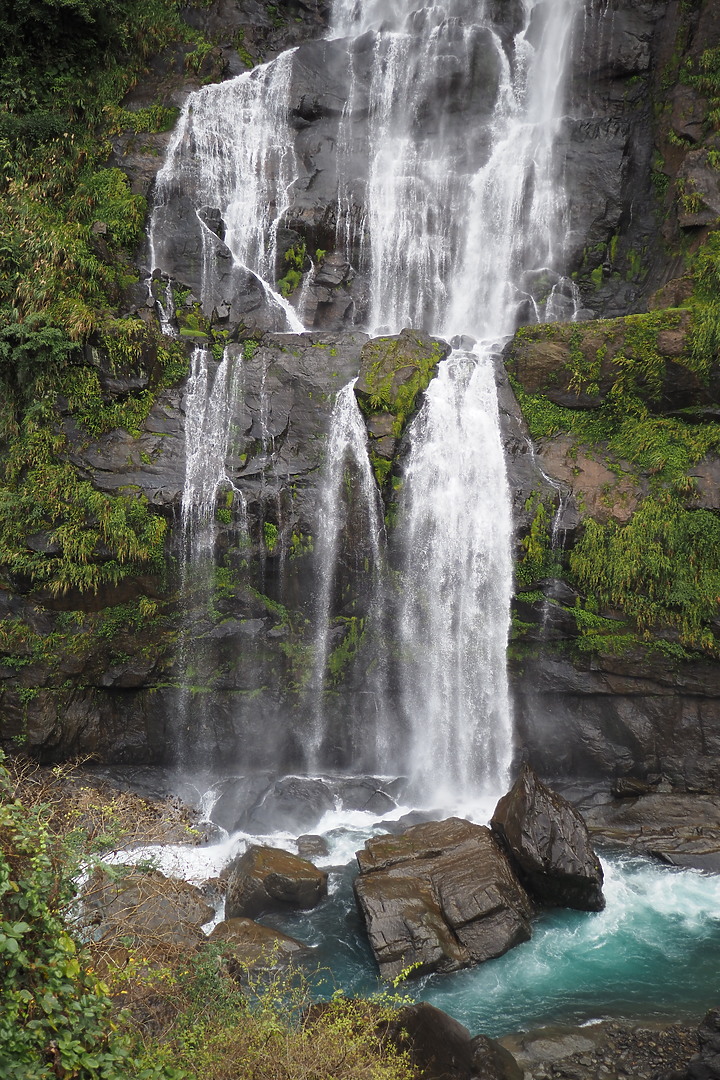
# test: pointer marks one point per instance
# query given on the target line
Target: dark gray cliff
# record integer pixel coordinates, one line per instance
(105, 675)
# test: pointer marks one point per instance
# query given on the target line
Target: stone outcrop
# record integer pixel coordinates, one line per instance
(705, 1065)
(439, 897)
(268, 879)
(607, 716)
(549, 846)
(681, 830)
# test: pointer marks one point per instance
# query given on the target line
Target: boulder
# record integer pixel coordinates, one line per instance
(440, 1048)
(248, 944)
(439, 897)
(705, 1065)
(311, 846)
(146, 906)
(491, 1061)
(549, 845)
(268, 879)
(294, 804)
(437, 1046)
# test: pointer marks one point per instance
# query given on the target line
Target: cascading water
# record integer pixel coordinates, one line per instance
(211, 394)
(463, 232)
(459, 232)
(233, 151)
(457, 579)
(347, 466)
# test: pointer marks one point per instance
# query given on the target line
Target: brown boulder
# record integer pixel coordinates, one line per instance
(439, 897)
(549, 845)
(146, 906)
(253, 945)
(268, 879)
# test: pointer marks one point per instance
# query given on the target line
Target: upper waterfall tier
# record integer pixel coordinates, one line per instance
(406, 168)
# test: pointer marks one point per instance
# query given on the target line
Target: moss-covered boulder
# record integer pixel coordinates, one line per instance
(394, 372)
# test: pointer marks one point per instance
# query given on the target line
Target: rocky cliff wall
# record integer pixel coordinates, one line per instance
(603, 685)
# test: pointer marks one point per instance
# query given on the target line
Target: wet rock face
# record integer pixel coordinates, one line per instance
(549, 845)
(608, 146)
(616, 715)
(439, 897)
(268, 879)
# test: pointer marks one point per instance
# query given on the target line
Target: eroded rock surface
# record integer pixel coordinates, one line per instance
(440, 896)
(548, 843)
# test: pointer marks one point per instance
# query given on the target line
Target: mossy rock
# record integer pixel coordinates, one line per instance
(578, 365)
(395, 370)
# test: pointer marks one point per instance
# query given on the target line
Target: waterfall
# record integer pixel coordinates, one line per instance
(348, 494)
(457, 571)
(211, 394)
(455, 109)
(465, 238)
(232, 153)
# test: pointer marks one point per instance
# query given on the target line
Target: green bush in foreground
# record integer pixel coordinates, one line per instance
(56, 1017)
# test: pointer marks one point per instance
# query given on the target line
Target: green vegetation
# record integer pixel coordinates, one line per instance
(57, 1017)
(271, 536)
(88, 538)
(661, 570)
(538, 560)
(68, 228)
(396, 376)
(294, 264)
(344, 653)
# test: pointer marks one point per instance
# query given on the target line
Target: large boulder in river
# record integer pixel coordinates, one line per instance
(146, 907)
(439, 897)
(268, 879)
(549, 845)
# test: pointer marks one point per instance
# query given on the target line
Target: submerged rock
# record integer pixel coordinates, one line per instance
(268, 879)
(439, 897)
(549, 845)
